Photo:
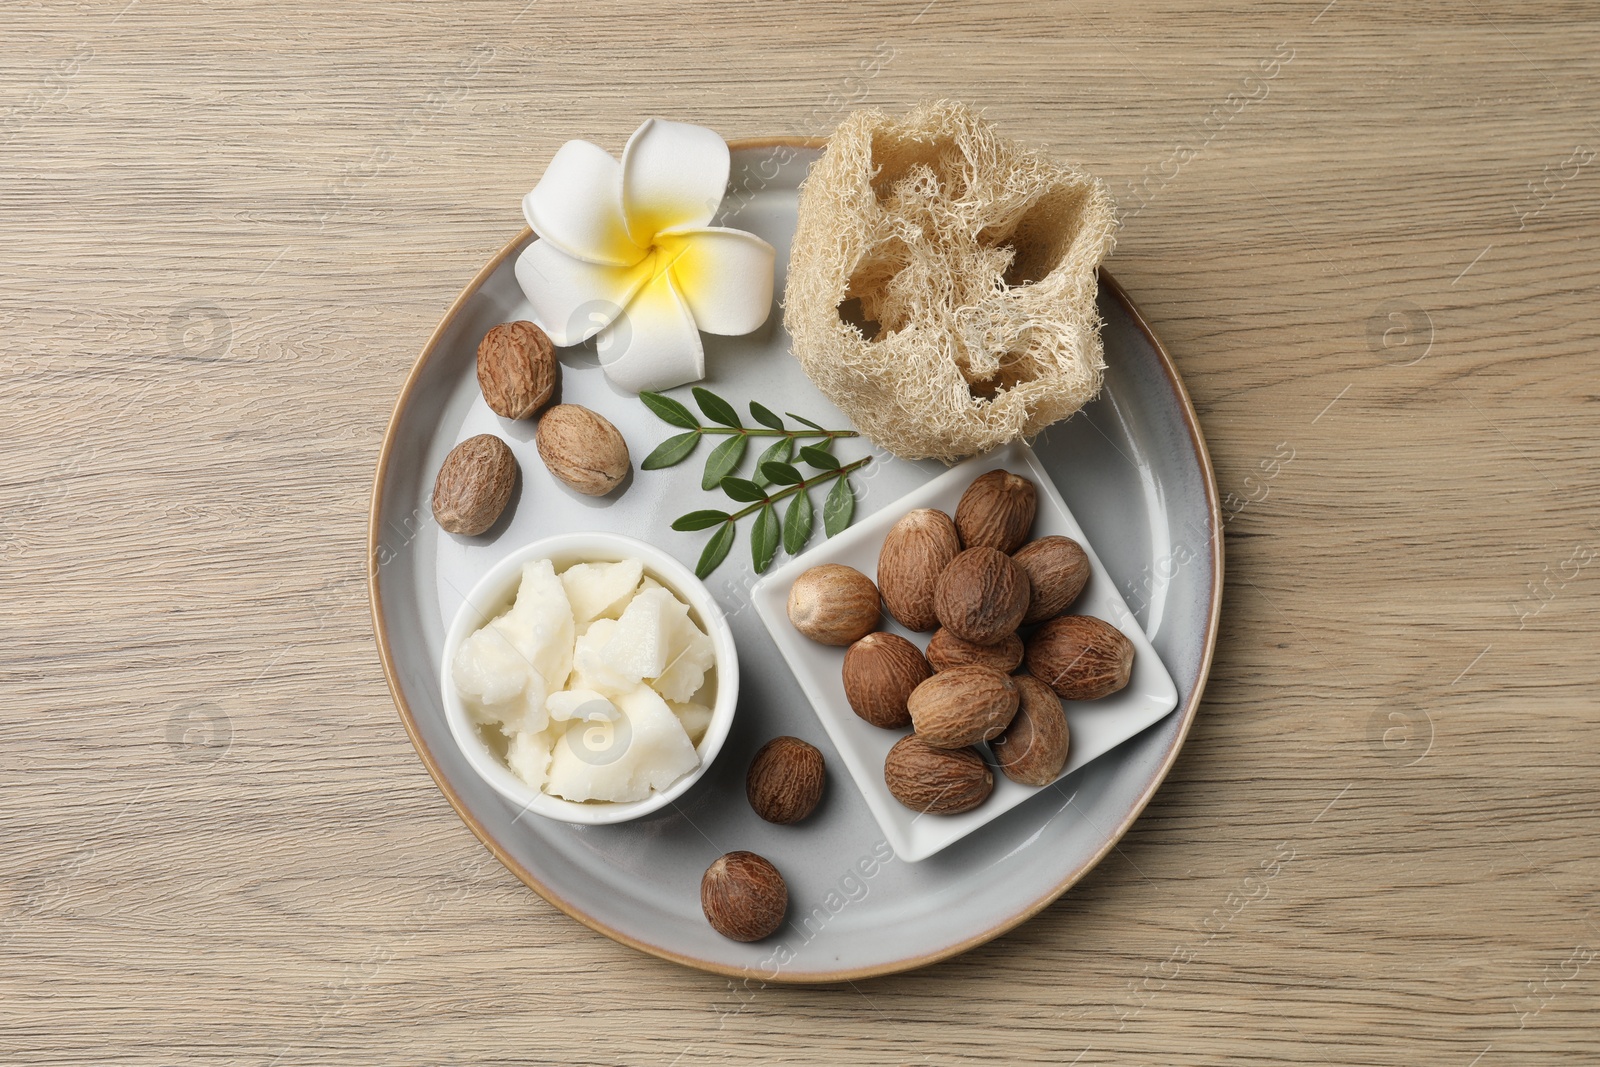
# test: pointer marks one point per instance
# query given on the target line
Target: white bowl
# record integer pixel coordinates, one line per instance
(493, 595)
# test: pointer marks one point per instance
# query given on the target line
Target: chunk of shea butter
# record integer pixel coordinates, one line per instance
(589, 670)
(690, 655)
(622, 760)
(506, 669)
(489, 669)
(600, 590)
(523, 713)
(694, 717)
(528, 756)
(639, 646)
(541, 623)
(584, 705)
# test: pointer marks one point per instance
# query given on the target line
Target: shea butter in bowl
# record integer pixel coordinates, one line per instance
(590, 678)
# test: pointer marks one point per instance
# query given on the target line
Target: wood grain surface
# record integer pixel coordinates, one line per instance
(1368, 233)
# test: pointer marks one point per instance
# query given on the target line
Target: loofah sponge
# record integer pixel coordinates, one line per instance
(942, 282)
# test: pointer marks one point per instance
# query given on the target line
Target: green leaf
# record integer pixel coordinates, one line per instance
(782, 473)
(840, 505)
(765, 416)
(669, 410)
(778, 452)
(743, 490)
(672, 451)
(716, 551)
(808, 422)
(819, 458)
(699, 520)
(723, 460)
(797, 522)
(716, 408)
(764, 538)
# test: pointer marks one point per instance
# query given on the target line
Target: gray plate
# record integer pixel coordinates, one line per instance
(1133, 468)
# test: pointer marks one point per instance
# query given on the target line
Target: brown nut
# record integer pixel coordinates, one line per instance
(981, 596)
(517, 369)
(582, 449)
(1057, 570)
(785, 780)
(963, 706)
(880, 671)
(744, 897)
(1080, 657)
(1034, 747)
(474, 484)
(834, 604)
(946, 650)
(916, 550)
(939, 781)
(996, 511)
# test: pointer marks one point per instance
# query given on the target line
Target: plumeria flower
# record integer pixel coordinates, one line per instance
(626, 254)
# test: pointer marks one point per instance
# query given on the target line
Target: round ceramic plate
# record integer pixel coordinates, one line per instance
(1133, 467)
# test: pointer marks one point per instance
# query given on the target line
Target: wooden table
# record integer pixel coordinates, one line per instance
(1368, 236)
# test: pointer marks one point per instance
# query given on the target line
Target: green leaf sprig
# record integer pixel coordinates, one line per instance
(776, 477)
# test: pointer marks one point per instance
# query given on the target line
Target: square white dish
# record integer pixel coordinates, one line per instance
(1096, 727)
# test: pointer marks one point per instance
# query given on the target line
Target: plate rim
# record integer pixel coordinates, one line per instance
(1188, 711)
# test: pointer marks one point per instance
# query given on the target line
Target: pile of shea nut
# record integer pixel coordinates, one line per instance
(974, 580)
(742, 894)
(518, 373)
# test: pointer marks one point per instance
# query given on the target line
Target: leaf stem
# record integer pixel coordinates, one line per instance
(794, 434)
(790, 490)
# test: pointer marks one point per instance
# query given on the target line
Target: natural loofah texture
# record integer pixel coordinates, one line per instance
(942, 282)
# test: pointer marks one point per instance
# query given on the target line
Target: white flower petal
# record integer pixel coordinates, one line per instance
(725, 277)
(573, 300)
(577, 206)
(654, 344)
(673, 174)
